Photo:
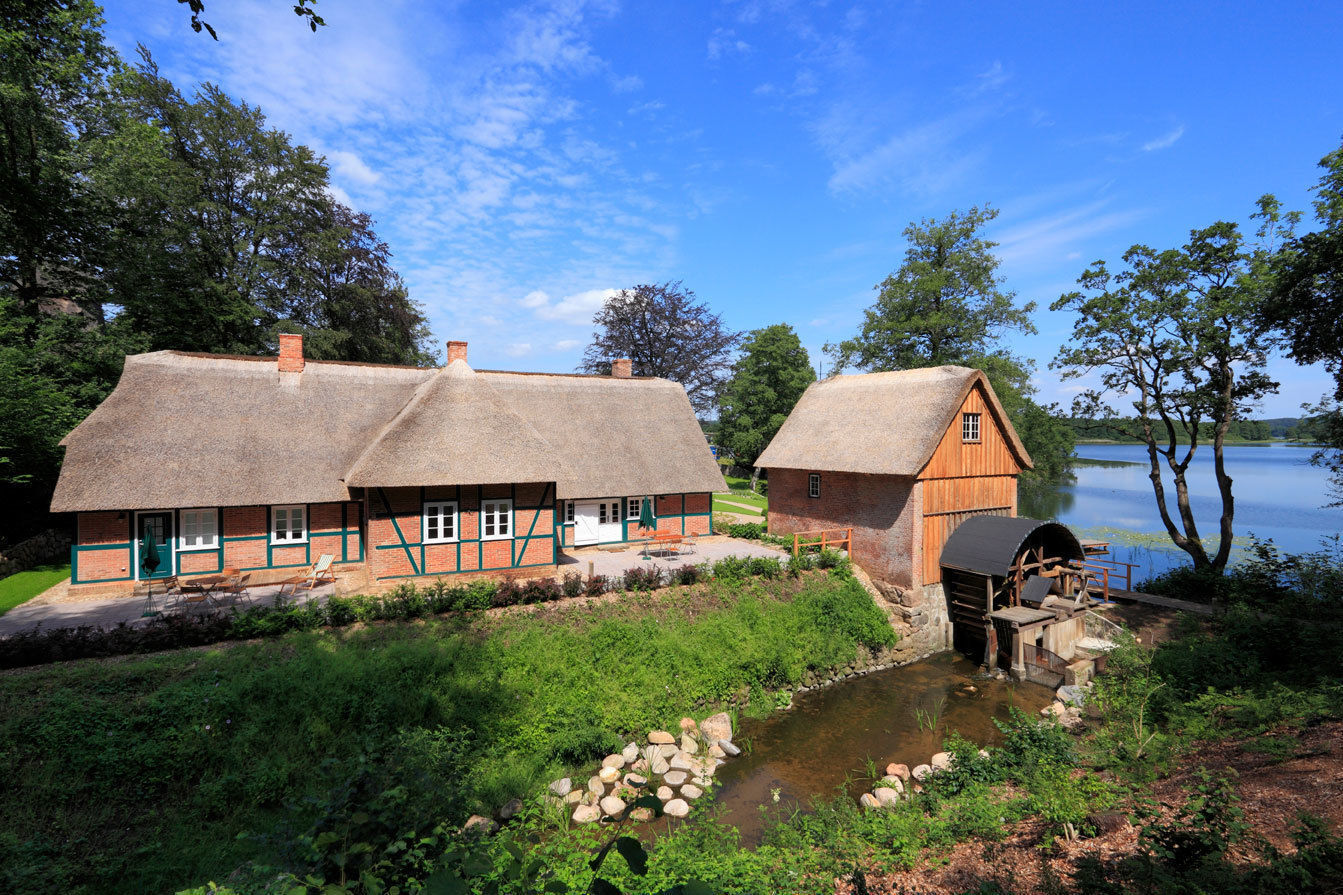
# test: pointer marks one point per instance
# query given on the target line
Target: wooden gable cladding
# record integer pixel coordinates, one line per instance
(990, 456)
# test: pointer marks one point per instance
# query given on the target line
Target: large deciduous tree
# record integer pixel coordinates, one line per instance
(1306, 307)
(767, 381)
(665, 332)
(947, 304)
(1174, 334)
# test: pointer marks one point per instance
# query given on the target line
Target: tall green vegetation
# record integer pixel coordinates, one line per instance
(946, 304)
(1305, 307)
(767, 381)
(135, 218)
(139, 775)
(1175, 335)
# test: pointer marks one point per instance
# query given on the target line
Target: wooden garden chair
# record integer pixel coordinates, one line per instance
(237, 586)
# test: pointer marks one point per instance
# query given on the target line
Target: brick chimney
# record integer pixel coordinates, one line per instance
(456, 351)
(291, 353)
(620, 368)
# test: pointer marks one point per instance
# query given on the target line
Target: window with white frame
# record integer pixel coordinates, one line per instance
(200, 530)
(969, 427)
(496, 519)
(568, 512)
(633, 507)
(289, 525)
(814, 485)
(440, 521)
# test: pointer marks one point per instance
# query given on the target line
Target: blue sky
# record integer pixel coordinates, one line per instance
(524, 160)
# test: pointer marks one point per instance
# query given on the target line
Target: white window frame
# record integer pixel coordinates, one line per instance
(503, 502)
(288, 509)
(814, 484)
(567, 512)
(210, 513)
(634, 506)
(444, 509)
(971, 424)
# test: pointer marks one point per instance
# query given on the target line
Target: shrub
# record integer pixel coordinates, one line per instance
(642, 578)
(686, 574)
(541, 590)
(573, 584)
(507, 592)
(597, 585)
(747, 531)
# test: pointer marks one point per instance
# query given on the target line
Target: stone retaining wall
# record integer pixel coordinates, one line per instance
(48, 546)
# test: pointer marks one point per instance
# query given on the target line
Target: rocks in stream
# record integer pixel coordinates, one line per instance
(612, 806)
(921, 771)
(608, 775)
(729, 749)
(941, 761)
(660, 737)
(675, 778)
(717, 727)
(586, 814)
(898, 770)
(562, 786)
(676, 808)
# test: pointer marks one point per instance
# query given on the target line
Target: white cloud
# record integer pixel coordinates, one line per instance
(1165, 141)
(724, 41)
(567, 344)
(925, 158)
(350, 167)
(518, 349)
(1057, 234)
(577, 308)
(535, 299)
(626, 84)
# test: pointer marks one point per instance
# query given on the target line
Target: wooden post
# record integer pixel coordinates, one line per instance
(795, 543)
(590, 566)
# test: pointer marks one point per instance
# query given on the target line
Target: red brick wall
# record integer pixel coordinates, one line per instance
(697, 503)
(242, 522)
(885, 513)
(697, 525)
(197, 562)
(103, 528)
(442, 559)
(669, 505)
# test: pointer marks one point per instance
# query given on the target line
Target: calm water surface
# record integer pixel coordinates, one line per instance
(826, 739)
(1279, 496)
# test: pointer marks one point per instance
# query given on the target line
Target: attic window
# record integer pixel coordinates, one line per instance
(814, 485)
(969, 427)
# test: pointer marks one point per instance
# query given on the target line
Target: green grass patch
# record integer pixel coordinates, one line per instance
(139, 774)
(736, 503)
(23, 586)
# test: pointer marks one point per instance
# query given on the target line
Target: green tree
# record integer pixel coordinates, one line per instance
(665, 332)
(946, 304)
(767, 381)
(1175, 333)
(53, 71)
(1306, 307)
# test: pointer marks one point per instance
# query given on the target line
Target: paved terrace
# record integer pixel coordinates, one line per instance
(56, 609)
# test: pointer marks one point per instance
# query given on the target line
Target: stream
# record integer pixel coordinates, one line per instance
(824, 742)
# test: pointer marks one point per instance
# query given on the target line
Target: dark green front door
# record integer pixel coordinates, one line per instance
(154, 549)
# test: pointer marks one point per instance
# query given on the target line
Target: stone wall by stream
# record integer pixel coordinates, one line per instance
(48, 546)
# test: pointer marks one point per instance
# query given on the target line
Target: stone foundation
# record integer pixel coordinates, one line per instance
(920, 618)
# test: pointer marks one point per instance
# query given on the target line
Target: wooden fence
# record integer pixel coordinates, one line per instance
(826, 539)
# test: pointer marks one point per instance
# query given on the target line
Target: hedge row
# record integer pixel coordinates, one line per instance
(179, 630)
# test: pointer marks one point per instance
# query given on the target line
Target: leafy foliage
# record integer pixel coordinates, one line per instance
(1175, 333)
(767, 381)
(665, 332)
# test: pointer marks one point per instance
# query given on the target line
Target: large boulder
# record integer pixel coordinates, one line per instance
(613, 761)
(630, 753)
(921, 772)
(675, 778)
(867, 800)
(665, 793)
(941, 761)
(596, 785)
(586, 814)
(562, 786)
(691, 791)
(635, 780)
(676, 808)
(886, 796)
(659, 766)
(716, 727)
(688, 744)
(479, 826)
(688, 725)
(899, 770)
(641, 815)
(660, 737)
(512, 808)
(682, 762)
(612, 806)
(608, 774)
(728, 748)
(893, 782)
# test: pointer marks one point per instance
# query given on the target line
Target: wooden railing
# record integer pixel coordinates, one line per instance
(826, 539)
(1113, 570)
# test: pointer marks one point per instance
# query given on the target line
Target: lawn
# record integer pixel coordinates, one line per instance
(140, 774)
(23, 586)
(741, 494)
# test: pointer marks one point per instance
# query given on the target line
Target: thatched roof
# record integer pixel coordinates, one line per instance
(456, 430)
(184, 430)
(879, 423)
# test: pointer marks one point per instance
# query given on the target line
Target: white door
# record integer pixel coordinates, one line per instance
(608, 521)
(586, 526)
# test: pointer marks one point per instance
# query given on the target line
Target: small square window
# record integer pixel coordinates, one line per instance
(568, 512)
(440, 522)
(633, 507)
(969, 427)
(200, 530)
(288, 525)
(814, 485)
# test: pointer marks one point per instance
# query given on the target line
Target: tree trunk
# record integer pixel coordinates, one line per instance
(755, 477)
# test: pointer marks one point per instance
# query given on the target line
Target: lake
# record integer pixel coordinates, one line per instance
(1279, 496)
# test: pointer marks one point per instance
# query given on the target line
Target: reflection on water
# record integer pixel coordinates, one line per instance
(828, 736)
(1279, 496)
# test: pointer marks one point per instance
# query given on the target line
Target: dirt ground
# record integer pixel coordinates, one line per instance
(1272, 790)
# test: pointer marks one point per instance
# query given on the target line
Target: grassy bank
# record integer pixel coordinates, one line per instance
(23, 586)
(137, 774)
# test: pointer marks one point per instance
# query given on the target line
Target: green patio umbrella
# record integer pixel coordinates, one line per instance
(149, 552)
(647, 520)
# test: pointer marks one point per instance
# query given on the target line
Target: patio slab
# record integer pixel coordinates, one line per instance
(615, 562)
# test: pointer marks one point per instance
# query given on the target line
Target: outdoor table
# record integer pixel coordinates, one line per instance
(207, 584)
